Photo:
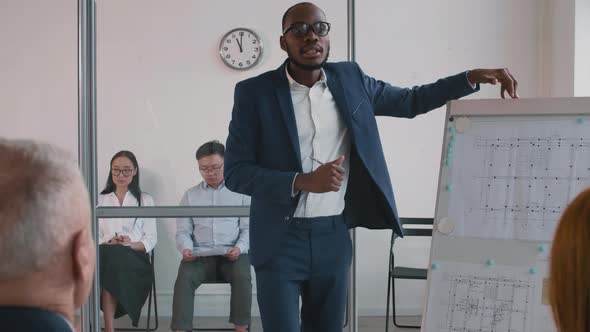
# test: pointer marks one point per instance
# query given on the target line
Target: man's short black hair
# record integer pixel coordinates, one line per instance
(290, 8)
(210, 148)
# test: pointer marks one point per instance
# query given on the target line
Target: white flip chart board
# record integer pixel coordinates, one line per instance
(508, 170)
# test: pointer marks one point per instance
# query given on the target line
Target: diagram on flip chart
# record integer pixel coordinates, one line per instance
(512, 180)
(476, 297)
(508, 171)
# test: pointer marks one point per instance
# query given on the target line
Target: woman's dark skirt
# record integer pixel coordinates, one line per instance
(127, 275)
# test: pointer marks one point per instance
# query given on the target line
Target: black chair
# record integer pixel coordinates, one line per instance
(218, 280)
(402, 272)
(152, 295)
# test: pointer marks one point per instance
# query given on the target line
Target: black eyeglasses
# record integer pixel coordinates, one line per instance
(301, 29)
(210, 169)
(126, 172)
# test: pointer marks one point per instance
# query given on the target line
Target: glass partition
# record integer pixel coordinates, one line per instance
(162, 88)
(162, 91)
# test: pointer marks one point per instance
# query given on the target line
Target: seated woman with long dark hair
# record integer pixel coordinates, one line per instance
(125, 270)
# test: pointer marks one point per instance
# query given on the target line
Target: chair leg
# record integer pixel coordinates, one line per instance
(152, 292)
(393, 311)
(155, 305)
(147, 328)
(389, 276)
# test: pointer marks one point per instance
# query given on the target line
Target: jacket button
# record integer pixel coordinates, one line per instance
(287, 218)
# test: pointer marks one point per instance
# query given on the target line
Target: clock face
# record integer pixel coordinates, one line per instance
(240, 49)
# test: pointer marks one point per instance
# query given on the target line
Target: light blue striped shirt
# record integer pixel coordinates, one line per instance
(195, 233)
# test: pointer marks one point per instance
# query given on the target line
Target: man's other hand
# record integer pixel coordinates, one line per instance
(492, 76)
(187, 255)
(233, 254)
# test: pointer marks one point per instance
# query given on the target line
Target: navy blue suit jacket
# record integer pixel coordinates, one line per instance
(23, 319)
(262, 150)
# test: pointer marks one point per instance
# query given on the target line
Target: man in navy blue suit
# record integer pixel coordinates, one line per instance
(46, 250)
(303, 143)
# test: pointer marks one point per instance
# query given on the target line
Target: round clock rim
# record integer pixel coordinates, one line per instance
(229, 33)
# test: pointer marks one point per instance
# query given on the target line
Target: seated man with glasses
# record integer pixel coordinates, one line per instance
(212, 246)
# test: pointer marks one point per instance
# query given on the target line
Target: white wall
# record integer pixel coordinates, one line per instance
(413, 42)
(163, 91)
(38, 71)
(582, 49)
(557, 48)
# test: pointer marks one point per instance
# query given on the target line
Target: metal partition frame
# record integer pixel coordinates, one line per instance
(90, 319)
(352, 307)
(173, 211)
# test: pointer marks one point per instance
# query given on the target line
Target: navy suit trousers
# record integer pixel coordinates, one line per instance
(312, 263)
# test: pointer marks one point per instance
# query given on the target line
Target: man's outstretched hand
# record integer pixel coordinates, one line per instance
(492, 76)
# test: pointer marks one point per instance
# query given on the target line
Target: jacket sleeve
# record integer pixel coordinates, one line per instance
(389, 100)
(242, 172)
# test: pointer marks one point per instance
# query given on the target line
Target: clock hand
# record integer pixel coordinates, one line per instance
(241, 42)
(239, 45)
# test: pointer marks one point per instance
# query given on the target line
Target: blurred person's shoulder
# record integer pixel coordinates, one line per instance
(25, 319)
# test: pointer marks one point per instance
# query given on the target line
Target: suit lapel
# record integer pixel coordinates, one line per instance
(339, 96)
(286, 104)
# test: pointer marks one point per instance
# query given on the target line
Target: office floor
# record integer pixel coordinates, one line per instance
(366, 324)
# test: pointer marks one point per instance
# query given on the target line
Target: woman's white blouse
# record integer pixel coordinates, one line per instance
(138, 229)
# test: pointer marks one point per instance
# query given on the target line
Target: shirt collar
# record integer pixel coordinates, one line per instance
(293, 83)
(127, 194)
(221, 186)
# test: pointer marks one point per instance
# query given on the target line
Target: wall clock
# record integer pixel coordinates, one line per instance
(240, 49)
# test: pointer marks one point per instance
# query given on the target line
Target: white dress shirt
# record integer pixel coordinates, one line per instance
(209, 233)
(323, 136)
(138, 229)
